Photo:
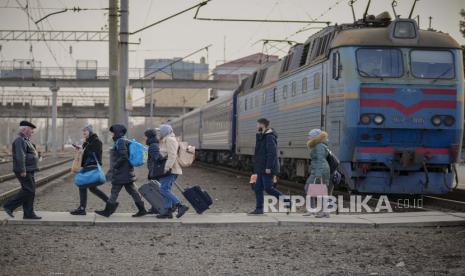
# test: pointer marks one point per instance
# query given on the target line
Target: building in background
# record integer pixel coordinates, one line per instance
(187, 99)
(238, 70)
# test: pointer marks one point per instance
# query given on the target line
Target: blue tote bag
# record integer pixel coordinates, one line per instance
(90, 177)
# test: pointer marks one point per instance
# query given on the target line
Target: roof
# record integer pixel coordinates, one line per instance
(380, 37)
(251, 60)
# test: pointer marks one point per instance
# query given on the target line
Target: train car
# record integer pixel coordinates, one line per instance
(191, 128)
(218, 130)
(389, 94)
(176, 124)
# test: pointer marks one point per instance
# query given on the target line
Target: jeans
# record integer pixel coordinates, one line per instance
(264, 182)
(25, 196)
(83, 195)
(130, 188)
(165, 189)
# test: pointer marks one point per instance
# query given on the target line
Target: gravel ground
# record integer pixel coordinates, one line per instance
(230, 193)
(44, 250)
(220, 250)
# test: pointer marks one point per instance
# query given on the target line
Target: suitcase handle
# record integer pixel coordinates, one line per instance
(179, 187)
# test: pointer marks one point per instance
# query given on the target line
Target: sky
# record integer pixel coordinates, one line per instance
(182, 35)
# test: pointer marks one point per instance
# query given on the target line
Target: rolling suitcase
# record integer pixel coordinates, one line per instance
(198, 198)
(151, 192)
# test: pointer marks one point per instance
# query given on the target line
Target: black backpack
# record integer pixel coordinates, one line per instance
(332, 160)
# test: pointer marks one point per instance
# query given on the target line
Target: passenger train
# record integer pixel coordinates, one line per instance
(389, 94)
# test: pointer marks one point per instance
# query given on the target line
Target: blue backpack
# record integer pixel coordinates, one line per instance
(137, 153)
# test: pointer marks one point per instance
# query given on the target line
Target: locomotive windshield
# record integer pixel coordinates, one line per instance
(379, 63)
(432, 64)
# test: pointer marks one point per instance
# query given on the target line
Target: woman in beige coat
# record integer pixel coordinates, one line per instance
(169, 154)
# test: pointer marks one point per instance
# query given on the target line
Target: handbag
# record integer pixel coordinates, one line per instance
(90, 177)
(76, 166)
(158, 169)
(315, 190)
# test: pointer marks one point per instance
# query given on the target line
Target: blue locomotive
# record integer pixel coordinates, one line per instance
(389, 94)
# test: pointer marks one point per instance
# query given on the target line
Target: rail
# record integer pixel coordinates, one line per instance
(10, 176)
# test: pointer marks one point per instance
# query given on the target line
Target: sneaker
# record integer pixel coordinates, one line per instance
(78, 212)
(255, 212)
(182, 209)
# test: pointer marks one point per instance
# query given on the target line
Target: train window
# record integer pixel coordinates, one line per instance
(303, 58)
(254, 76)
(432, 64)
(245, 104)
(274, 94)
(304, 85)
(285, 92)
(264, 98)
(336, 66)
(293, 89)
(261, 76)
(316, 81)
(379, 63)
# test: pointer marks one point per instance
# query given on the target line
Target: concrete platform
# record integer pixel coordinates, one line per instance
(405, 219)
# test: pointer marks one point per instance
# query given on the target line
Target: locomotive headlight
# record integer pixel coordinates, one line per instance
(436, 120)
(378, 119)
(449, 120)
(365, 119)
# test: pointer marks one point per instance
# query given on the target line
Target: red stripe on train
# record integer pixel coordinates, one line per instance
(432, 150)
(377, 90)
(376, 150)
(407, 110)
(391, 150)
(438, 91)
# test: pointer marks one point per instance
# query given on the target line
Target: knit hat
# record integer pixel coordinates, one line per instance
(165, 130)
(314, 133)
(88, 127)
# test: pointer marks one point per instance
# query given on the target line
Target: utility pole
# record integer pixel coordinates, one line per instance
(47, 126)
(54, 90)
(123, 68)
(113, 74)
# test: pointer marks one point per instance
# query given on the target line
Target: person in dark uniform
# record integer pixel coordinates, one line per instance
(266, 163)
(91, 150)
(121, 174)
(25, 159)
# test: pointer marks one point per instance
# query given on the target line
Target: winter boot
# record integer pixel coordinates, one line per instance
(182, 209)
(110, 208)
(141, 208)
(167, 215)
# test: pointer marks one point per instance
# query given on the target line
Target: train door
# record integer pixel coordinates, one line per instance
(324, 95)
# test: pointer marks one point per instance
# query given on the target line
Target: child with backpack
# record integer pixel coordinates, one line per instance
(121, 173)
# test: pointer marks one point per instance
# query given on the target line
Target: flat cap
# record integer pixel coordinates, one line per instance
(26, 123)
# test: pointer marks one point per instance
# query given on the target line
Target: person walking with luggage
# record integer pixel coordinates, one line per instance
(121, 173)
(25, 159)
(266, 163)
(91, 154)
(153, 154)
(319, 167)
(169, 152)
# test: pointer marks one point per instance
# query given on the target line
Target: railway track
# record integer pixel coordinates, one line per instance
(39, 181)
(454, 201)
(10, 176)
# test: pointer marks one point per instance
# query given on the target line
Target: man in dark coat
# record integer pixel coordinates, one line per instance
(121, 173)
(92, 153)
(266, 163)
(25, 160)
